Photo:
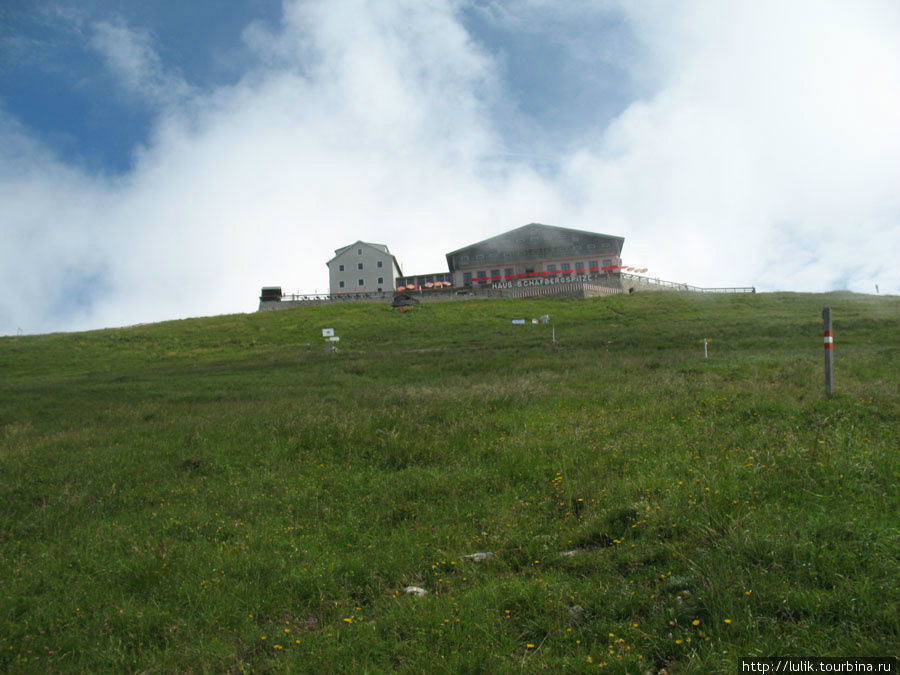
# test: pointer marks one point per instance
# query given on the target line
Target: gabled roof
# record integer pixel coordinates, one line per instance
(381, 248)
(533, 242)
(378, 247)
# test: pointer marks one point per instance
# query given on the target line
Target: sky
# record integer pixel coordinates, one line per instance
(168, 159)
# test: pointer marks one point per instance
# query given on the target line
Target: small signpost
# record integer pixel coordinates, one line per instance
(328, 334)
(829, 353)
(705, 349)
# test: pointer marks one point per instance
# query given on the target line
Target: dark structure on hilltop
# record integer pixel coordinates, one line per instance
(528, 261)
(535, 250)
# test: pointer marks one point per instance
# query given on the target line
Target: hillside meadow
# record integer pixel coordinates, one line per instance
(222, 495)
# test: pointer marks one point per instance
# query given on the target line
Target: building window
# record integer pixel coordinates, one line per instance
(579, 266)
(359, 251)
(551, 268)
(341, 284)
(380, 264)
(607, 262)
(510, 271)
(482, 274)
(594, 265)
(341, 268)
(467, 279)
(359, 266)
(380, 280)
(359, 282)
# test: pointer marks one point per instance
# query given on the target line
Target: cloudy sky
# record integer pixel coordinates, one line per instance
(168, 159)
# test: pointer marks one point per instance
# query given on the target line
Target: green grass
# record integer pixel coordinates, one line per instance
(210, 495)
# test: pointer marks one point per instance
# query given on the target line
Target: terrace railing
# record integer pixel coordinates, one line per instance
(687, 287)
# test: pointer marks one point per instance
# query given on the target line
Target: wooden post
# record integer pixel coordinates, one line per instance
(829, 353)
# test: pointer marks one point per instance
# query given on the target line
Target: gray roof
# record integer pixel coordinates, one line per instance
(534, 241)
(381, 248)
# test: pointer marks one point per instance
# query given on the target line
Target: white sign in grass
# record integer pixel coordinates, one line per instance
(518, 322)
(328, 332)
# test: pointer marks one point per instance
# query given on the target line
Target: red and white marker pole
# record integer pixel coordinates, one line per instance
(829, 352)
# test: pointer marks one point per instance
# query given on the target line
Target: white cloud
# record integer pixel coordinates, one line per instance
(776, 126)
(375, 121)
(130, 55)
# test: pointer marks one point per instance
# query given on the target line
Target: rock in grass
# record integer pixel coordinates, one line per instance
(681, 596)
(417, 591)
(403, 300)
(480, 556)
(576, 614)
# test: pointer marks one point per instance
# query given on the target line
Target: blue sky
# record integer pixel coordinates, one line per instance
(149, 148)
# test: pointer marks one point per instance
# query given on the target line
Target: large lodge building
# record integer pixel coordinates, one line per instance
(535, 251)
(527, 256)
(532, 252)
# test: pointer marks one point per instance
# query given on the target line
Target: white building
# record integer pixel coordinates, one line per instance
(362, 268)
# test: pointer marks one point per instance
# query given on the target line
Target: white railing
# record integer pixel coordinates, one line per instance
(687, 287)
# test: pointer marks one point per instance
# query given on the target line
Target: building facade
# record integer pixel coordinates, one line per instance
(535, 251)
(362, 268)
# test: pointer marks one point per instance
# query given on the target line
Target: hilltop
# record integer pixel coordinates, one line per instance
(222, 494)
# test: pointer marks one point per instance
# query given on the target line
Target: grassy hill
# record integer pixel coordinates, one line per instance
(212, 495)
